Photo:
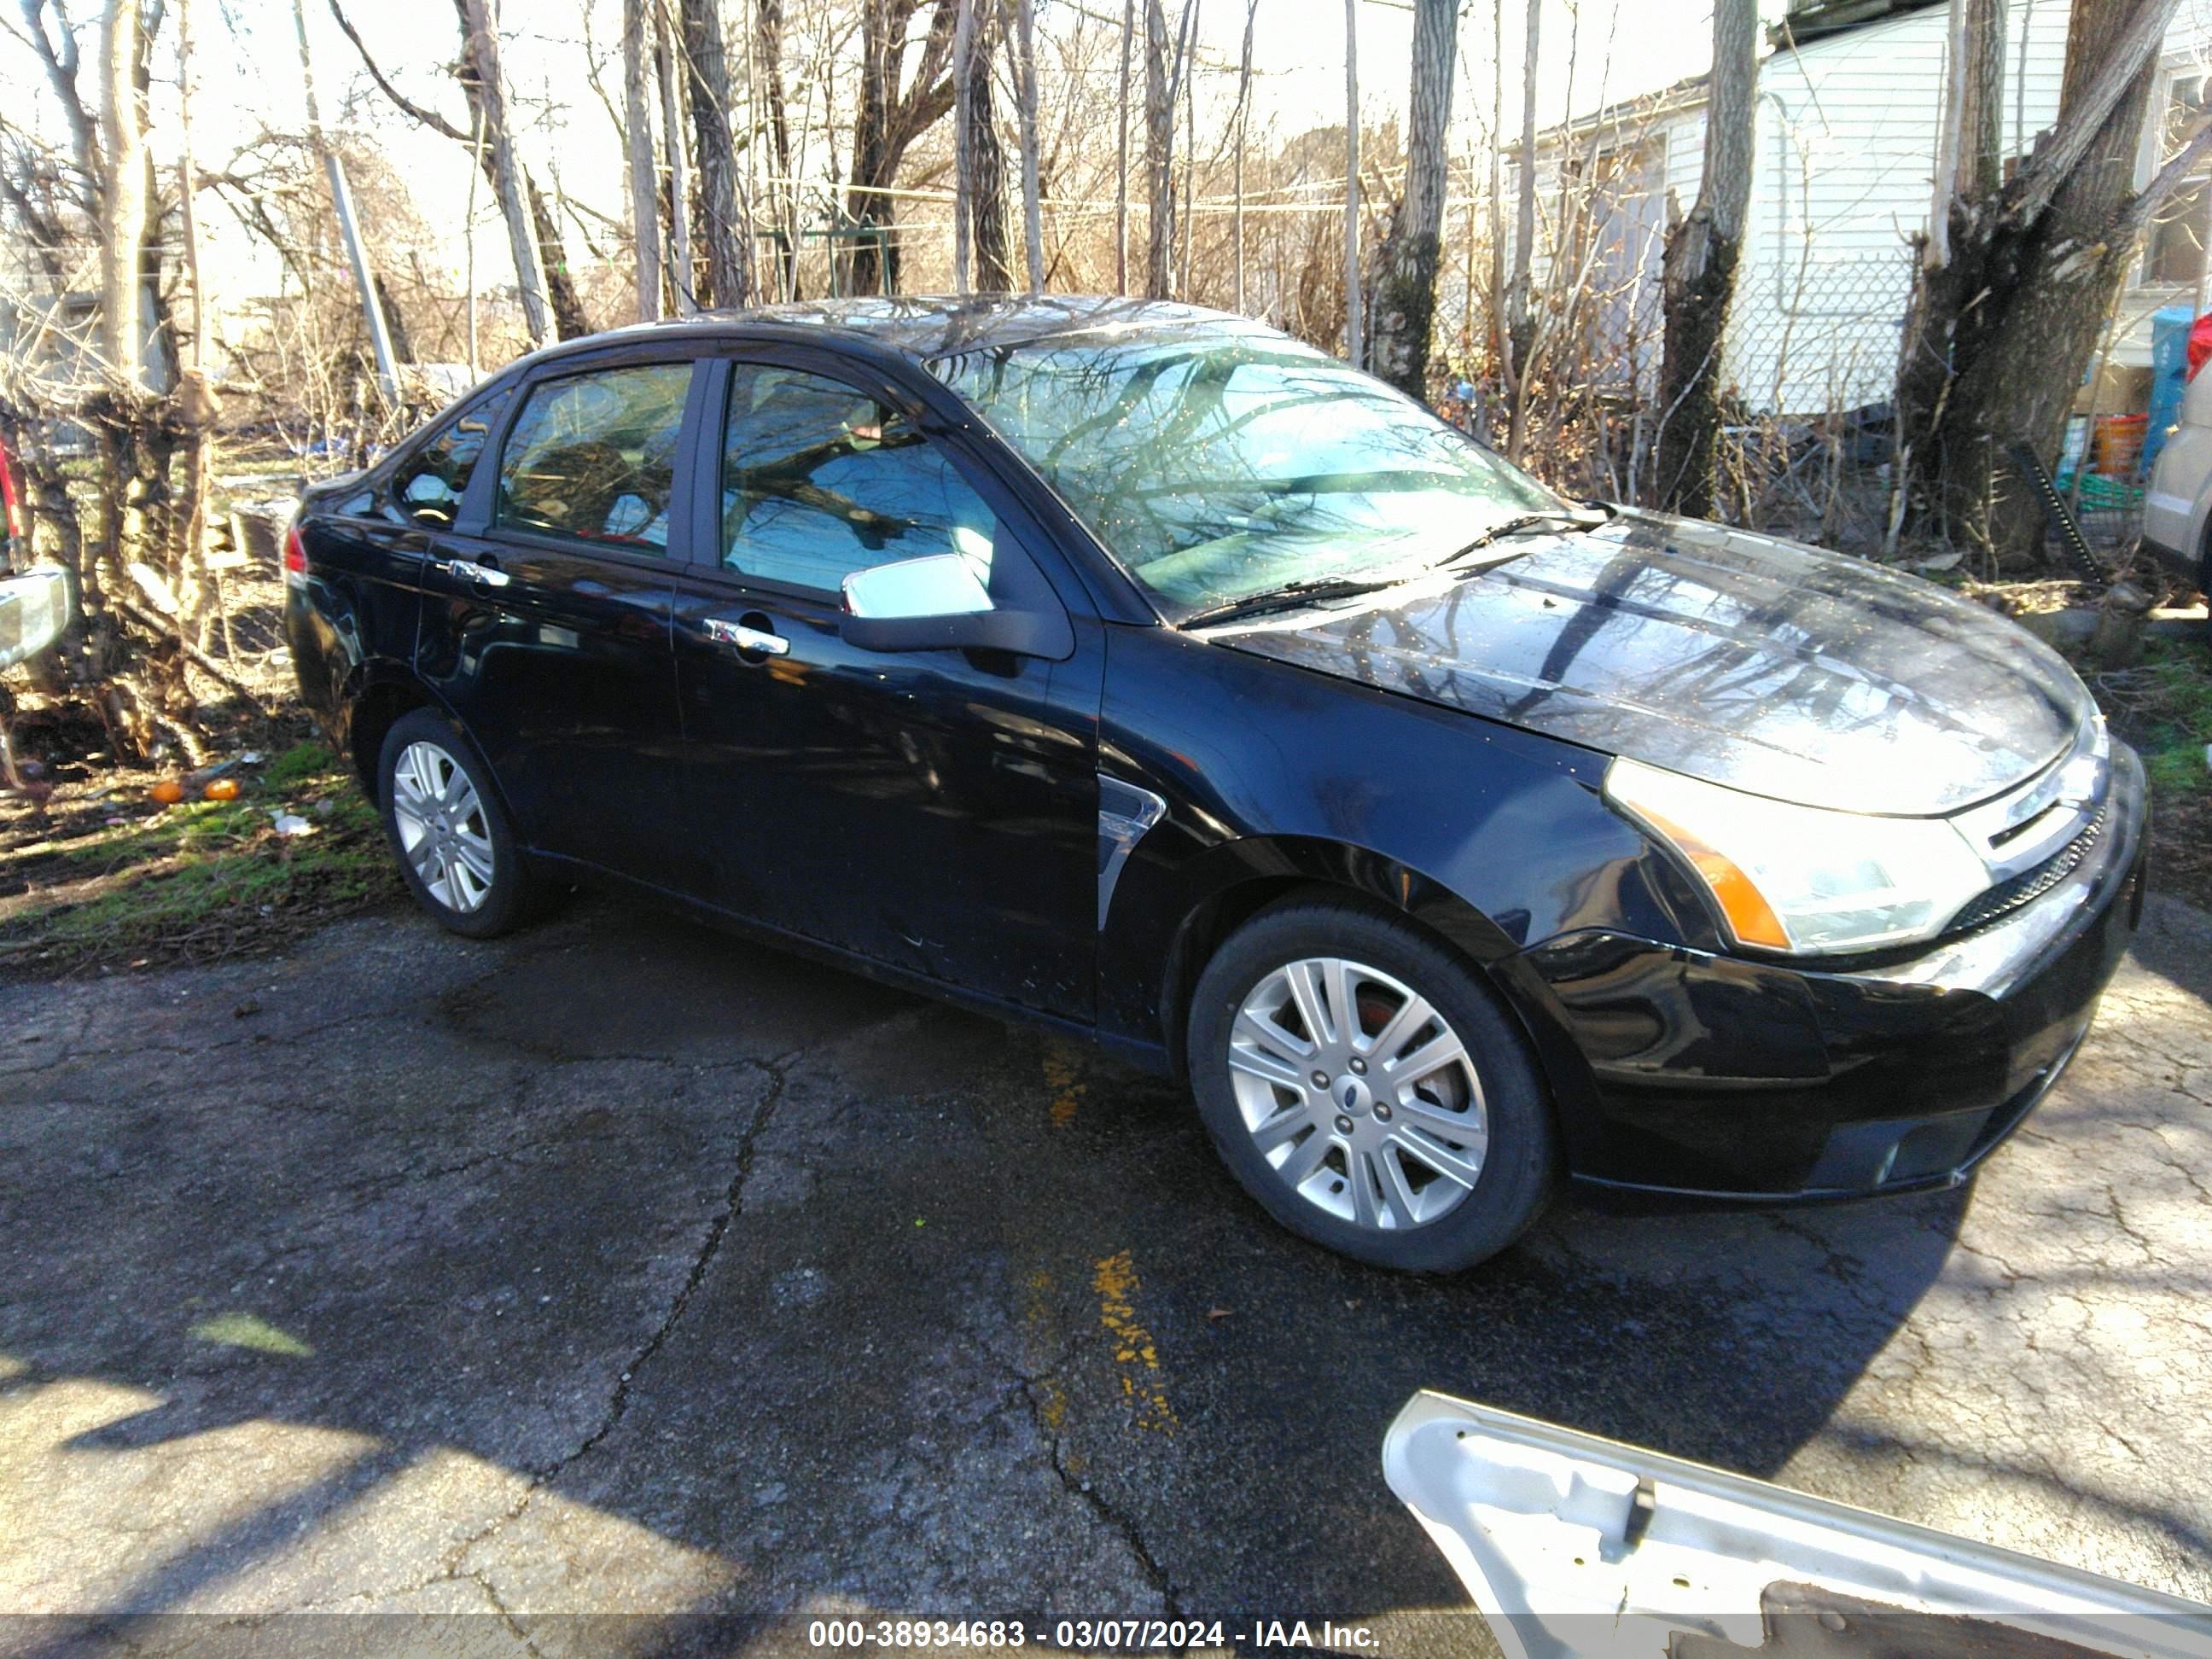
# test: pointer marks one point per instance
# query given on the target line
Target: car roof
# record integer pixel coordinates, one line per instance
(920, 328)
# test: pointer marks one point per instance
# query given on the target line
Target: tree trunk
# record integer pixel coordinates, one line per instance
(1354, 345)
(1185, 84)
(963, 145)
(1405, 299)
(786, 227)
(1243, 121)
(1497, 293)
(1122, 154)
(1160, 147)
(1032, 199)
(1698, 269)
(684, 277)
(122, 196)
(376, 323)
(569, 320)
(889, 119)
(729, 238)
(2015, 290)
(637, 143)
(981, 160)
(196, 404)
(1520, 322)
(489, 91)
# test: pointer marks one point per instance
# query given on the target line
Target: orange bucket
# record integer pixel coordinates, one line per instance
(2116, 444)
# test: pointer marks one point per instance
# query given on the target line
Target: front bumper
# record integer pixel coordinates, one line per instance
(1724, 1076)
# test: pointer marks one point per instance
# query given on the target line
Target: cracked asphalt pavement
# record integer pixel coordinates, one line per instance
(621, 1267)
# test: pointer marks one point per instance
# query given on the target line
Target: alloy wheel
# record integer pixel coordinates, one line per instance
(1359, 1093)
(442, 827)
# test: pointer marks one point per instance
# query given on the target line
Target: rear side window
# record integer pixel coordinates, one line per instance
(820, 480)
(593, 457)
(428, 486)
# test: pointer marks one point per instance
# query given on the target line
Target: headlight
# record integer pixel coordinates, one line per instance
(1799, 878)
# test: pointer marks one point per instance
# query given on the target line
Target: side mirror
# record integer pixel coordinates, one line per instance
(939, 603)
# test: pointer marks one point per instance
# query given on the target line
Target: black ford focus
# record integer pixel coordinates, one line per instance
(1135, 669)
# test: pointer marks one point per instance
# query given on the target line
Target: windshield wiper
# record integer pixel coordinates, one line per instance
(1525, 523)
(1289, 597)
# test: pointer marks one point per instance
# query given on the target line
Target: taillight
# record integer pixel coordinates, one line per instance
(296, 553)
(11, 495)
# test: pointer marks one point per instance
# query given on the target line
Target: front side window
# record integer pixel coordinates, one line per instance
(429, 484)
(593, 457)
(820, 480)
(1215, 463)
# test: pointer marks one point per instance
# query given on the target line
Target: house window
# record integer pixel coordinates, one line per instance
(2175, 255)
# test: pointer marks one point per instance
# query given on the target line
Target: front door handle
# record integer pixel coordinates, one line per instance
(468, 569)
(746, 638)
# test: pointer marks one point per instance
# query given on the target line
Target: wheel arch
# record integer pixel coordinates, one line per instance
(385, 695)
(1243, 877)
(378, 694)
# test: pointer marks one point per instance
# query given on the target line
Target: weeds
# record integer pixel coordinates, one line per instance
(201, 880)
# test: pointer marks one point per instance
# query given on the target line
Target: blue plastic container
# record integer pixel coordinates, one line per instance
(2169, 373)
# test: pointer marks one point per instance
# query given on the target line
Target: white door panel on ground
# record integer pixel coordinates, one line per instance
(1574, 1545)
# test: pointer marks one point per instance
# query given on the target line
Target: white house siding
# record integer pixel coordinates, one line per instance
(1843, 173)
(1846, 155)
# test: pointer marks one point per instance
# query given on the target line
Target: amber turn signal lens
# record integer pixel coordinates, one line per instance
(1750, 917)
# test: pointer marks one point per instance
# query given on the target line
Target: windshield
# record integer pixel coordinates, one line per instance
(1217, 463)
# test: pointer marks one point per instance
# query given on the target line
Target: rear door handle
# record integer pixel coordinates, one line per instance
(746, 638)
(470, 570)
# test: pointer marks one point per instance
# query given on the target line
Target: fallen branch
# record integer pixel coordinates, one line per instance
(198, 657)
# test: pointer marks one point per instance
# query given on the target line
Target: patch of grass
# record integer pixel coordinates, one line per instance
(2163, 705)
(303, 762)
(2173, 715)
(202, 879)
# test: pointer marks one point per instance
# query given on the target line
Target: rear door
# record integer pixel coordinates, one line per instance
(936, 811)
(545, 623)
(366, 543)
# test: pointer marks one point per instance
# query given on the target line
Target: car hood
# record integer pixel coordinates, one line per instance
(1740, 658)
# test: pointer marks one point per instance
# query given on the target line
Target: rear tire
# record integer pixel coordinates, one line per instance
(1369, 1090)
(457, 852)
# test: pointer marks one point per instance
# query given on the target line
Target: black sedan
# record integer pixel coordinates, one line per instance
(1137, 671)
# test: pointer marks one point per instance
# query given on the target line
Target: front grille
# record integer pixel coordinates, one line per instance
(2028, 885)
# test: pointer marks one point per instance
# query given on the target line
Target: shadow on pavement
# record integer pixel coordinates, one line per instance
(626, 1266)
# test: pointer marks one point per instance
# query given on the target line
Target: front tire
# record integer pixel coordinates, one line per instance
(456, 851)
(1365, 1087)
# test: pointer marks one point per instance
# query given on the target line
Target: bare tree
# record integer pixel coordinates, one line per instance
(1026, 101)
(637, 139)
(1160, 143)
(728, 234)
(374, 302)
(1405, 298)
(894, 110)
(1243, 120)
(122, 197)
(1121, 152)
(770, 45)
(1354, 345)
(523, 209)
(963, 144)
(2015, 289)
(683, 286)
(1520, 331)
(481, 51)
(980, 161)
(1699, 268)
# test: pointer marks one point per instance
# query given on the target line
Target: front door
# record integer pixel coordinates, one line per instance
(935, 811)
(545, 623)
